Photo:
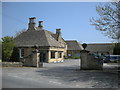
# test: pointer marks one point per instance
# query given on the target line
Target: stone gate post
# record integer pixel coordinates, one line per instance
(88, 60)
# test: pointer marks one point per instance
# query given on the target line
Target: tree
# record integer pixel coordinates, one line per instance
(109, 20)
(15, 55)
(7, 47)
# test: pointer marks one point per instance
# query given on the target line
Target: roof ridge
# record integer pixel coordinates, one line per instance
(48, 31)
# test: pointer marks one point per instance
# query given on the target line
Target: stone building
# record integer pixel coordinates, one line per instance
(37, 44)
(73, 48)
(100, 48)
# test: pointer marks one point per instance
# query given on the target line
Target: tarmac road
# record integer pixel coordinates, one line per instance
(22, 82)
(59, 75)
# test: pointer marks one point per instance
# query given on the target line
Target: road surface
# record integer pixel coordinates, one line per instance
(59, 75)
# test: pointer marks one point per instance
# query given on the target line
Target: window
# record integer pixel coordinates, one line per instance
(21, 53)
(52, 54)
(69, 54)
(59, 54)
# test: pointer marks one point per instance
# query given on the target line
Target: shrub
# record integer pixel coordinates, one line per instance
(7, 47)
(15, 55)
(118, 61)
(74, 57)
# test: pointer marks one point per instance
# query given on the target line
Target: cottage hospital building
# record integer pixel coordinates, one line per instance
(51, 46)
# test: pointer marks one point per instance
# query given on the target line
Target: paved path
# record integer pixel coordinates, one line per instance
(60, 75)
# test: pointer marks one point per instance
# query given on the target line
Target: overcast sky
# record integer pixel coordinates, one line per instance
(71, 17)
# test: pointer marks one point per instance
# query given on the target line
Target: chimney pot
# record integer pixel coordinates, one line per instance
(40, 24)
(58, 31)
(32, 20)
(32, 23)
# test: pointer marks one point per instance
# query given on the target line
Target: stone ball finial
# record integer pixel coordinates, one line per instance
(84, 45)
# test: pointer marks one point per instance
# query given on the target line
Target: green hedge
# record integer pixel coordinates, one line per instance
(73, 57)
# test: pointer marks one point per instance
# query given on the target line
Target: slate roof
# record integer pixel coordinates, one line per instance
(99, 47)
(73, 45)
(36, 37)
(55, 36)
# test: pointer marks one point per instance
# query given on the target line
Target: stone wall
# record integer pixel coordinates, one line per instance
(12, 64)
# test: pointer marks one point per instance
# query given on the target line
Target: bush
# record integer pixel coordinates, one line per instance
(65, 57)
(114, 61)
(73, 57)
(118, 61)
(15, 55)
(76, 57)
(7, 47)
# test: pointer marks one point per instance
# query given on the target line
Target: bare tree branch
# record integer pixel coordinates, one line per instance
(109, 20)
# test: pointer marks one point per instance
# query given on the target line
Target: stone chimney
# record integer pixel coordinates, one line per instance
(58, 33)
(32, 23)
(40, 25)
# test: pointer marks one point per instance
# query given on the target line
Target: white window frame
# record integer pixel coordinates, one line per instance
(20, 53)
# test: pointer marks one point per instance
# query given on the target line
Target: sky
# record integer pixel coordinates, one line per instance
(72, 17)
